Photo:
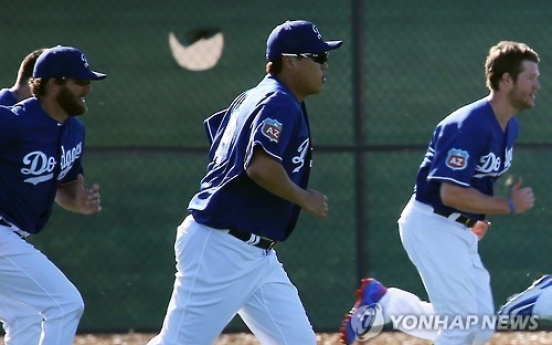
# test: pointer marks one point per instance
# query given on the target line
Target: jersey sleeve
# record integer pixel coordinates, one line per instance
(457, 150)
(272, 129)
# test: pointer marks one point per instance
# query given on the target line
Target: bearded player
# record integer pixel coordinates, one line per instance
(41, 149)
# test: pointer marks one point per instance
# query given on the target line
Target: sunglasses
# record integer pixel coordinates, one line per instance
(318, 58)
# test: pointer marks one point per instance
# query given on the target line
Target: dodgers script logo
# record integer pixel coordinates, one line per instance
(68, 158)
(41, 167)
(490, 164)
(300, 159)
(367, 321)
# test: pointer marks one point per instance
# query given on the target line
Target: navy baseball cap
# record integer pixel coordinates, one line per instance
(63, 61)
(297, 37)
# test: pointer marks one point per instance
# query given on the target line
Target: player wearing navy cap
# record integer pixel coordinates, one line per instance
(443, 221)
(41, 149)
(250, 198)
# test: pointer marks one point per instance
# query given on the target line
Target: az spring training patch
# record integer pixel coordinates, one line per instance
(271, 129)
(457, 159)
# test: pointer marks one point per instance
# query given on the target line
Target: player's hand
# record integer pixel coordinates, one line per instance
(480, 228)
(317, 204)
(522, 198)
(89, 199)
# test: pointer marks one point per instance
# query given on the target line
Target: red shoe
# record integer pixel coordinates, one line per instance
(370, 292)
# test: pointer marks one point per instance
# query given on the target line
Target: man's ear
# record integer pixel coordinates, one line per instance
(507, 80)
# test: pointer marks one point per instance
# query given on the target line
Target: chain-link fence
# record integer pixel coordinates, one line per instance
(404, 65)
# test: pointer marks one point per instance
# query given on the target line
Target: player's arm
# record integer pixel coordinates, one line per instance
(75, 198)
(271, 175)
(472, 201)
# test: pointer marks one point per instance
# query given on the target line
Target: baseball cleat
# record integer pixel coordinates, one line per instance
(369, 293)
(523, 302)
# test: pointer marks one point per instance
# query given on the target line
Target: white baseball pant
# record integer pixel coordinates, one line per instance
(28, 277)
(218, 276)
(22, 324)
(536, 299)
(446, 256)
(543, 304)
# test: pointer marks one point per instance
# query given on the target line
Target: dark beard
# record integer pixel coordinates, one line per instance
(68, 102)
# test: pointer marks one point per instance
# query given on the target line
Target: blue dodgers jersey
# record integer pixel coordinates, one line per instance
(270, 117)
(468, 149)
(7, 97)
(36, 154)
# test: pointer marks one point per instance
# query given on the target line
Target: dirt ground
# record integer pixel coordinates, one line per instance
(386, 338)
